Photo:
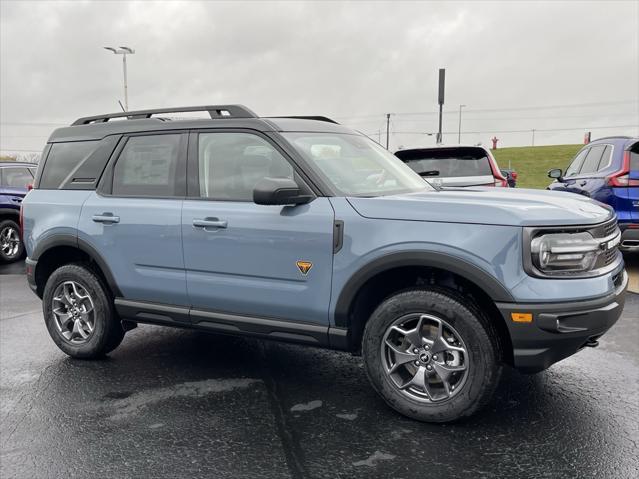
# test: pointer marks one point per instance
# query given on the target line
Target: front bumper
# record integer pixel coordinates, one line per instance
(559, 330)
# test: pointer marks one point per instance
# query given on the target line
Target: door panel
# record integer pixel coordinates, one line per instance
(135, 218)
(249, 265)
(142, 245)
(240, 257)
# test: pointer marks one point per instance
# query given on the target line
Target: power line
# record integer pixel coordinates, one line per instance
(476, 110)
(519, 131)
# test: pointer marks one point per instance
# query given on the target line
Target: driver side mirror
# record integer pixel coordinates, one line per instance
(555, 173)
(278, 191)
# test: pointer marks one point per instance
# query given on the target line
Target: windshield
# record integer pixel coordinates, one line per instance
(443, 162)
(355, 165)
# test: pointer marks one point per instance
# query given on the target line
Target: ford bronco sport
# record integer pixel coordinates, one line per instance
(299, 229)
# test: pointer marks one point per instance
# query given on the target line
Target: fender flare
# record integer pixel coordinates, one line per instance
(461, 267)
(67, 239)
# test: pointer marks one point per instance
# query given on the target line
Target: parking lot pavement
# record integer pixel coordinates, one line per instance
(173, 403)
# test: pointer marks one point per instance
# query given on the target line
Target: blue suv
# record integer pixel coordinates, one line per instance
(15, 179)
(299, 229)
(607, 170)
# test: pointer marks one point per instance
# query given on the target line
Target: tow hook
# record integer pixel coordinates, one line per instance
(592, 343)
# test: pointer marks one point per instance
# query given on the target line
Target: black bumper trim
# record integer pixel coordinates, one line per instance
(559, 330)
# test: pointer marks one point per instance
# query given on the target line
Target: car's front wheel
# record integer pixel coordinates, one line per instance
(431, 354)
(78, 312)
(11, 247)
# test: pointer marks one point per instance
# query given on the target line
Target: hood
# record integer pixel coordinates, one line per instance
(486, 205)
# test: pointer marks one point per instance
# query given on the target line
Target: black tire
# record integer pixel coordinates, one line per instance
(10, 227)
(480, 338)
(107, 333)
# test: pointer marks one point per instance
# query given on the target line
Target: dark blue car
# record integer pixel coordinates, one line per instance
(14, 181)
(607, 170)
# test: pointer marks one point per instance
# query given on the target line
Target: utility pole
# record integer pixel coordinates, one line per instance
(459, 131)
(440, 100)
(387, 128)
(124, 51)
(533, 137)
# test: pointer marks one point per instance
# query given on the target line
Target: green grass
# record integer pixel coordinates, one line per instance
(533, 162)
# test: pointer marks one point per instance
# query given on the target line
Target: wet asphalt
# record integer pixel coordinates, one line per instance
(173, 403)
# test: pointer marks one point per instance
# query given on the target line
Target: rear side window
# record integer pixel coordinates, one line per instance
(15, 177)
(148, 166)
(591, 163)
(63, 158)
(447, 163)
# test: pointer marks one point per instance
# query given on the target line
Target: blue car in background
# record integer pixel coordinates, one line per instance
(607, 170)
(15, 179)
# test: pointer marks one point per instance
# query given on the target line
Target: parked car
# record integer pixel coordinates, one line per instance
(299, 229)
(14, 180)
(510, 175)
(454, 165)
(607, 170)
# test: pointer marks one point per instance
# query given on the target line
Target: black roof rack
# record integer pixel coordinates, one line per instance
(216, 111)
(317, 118)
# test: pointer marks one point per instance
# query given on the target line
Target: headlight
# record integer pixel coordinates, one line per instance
(556, 254)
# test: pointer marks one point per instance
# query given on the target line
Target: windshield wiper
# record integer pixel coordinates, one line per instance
(429, 173)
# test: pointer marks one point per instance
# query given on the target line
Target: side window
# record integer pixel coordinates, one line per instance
(147, 166)
(230, 164)
(606, 158)
(15, 177)
(575, 166)
(62, 159)
(591, 163)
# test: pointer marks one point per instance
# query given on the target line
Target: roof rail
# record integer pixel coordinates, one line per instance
(614, 137)
(216, 111)
(313, 117)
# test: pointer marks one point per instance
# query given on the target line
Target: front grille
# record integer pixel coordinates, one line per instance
(607, 230)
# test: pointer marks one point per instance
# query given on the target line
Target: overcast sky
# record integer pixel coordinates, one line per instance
(507, 61)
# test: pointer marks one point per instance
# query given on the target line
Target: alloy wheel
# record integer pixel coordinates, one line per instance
(73, 312)
(425, 357)
(9, 242)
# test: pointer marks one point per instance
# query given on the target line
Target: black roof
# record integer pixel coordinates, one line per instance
(221, 116)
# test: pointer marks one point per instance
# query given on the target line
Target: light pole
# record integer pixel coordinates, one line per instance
(124, 51)
(459, 131)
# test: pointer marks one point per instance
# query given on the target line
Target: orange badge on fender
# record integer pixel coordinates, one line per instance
(304, 266)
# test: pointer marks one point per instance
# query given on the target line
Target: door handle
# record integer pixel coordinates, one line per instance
(107, 218)
(210, 223)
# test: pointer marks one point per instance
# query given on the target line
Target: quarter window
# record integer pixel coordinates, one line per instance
(230, 164)
(148, 166)
(62, 160)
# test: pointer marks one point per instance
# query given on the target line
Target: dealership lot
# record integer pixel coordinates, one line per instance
(171, 403)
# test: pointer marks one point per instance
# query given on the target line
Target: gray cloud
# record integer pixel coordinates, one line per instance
(354, 61)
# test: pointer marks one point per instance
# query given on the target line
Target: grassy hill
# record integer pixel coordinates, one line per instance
(533, 162)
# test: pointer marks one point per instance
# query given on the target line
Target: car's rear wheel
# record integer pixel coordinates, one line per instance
(11, 247)
(432, 354)
(78, 312)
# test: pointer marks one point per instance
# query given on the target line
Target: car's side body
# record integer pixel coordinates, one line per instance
(311, 273)
(607, 170)
(15, 178)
